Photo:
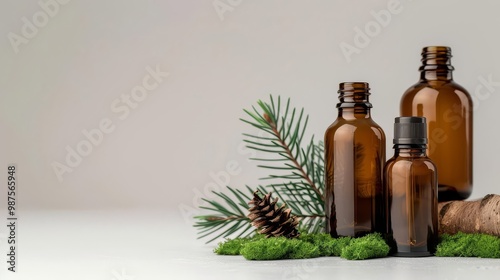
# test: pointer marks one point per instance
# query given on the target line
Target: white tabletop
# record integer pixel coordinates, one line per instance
(140, 245)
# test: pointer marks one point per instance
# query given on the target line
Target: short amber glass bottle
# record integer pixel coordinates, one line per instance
(410, 179)
(448, 109)
(354, 159)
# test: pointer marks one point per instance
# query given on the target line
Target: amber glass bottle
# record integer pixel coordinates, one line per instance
(354, 159)
(448, 110)
(410, 179)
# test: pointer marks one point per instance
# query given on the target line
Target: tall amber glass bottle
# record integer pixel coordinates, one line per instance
(448, 109)
(354, 159)
(410, 179)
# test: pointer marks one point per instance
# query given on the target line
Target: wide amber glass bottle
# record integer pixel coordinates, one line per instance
(448, 109)
(354, 159)
(410, 179)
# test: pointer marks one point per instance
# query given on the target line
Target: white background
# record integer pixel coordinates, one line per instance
(89, 53)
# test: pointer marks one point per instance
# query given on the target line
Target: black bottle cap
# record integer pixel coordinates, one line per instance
(410, 131)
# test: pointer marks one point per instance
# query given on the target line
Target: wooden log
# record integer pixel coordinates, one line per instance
(479, 216)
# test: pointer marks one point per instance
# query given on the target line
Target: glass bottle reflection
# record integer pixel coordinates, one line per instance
(354, 158)
(410, 178)
(448, 109)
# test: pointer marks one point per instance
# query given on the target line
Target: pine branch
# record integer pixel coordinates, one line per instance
(293, 159)
(298, 178)
(284, 140)
(227, 217)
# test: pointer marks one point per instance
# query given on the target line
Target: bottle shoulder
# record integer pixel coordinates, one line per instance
(366, 132)
(352, 126)
(398, 162)
(437, 88)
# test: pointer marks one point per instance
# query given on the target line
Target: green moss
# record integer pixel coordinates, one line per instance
(369, 246)
(339, 244)
(327, 245)
(279, 248)
(469, 245)
(266, 249)
(233, 246)
(302, 250)
(366, 247)
(304, 247)
(320, 240)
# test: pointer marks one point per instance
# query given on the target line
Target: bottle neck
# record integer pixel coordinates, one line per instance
(354, 101)
(432, 75)
(410, 151)
(354, 113)
(436, 64)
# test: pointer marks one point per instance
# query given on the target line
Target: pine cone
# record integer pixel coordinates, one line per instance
(271, 220)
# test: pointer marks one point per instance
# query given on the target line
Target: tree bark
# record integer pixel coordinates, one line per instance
(479, 216)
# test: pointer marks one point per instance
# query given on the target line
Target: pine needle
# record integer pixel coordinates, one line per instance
(296, 166)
